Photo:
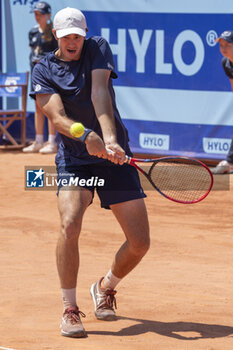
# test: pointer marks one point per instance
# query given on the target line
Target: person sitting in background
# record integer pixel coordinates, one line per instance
(41, 41)
(226, 48)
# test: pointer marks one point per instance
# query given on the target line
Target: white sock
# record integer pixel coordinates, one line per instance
(39, 138)
(68, 297)
(52, 139)
(110, 281)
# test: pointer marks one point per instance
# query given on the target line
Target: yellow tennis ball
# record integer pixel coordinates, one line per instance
(77, 129)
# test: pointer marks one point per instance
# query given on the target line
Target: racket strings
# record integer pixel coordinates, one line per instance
(186, 182)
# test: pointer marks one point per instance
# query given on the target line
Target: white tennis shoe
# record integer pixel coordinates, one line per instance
(71, 325)
(104, 301)
(48, 148)
(224, 167)
(33, 148)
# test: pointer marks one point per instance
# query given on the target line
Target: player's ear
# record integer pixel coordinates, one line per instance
(54, 34)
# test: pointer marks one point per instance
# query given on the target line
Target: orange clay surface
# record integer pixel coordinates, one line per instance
(179, 297)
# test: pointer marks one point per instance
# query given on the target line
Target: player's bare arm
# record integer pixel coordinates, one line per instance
(52, 106)
(103, 108)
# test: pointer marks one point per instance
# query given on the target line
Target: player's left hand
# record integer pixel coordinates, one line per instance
(95, 145)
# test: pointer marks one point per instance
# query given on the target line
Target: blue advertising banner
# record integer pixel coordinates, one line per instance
(169, 51)
(171, 91)
(169, 138)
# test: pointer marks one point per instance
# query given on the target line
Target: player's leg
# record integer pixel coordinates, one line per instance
(132, 216)
(51, 127)
(51, 145)
(225, 166)
(37, 145)
(71, 205)
(230, 157)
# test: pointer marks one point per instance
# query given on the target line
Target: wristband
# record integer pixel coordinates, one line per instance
(84, 135)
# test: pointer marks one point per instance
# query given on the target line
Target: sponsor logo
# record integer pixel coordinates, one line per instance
(11, 81)
(164, 50)
(154, 141)
(37, 87)
(216, 145)
(24, 2)
(141, 46)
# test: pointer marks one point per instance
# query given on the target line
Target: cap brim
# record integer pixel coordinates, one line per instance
(43, 13)
(63, 32)
(228, 41)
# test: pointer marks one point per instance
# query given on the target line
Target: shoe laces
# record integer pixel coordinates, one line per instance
(74, 314)
(110, 297)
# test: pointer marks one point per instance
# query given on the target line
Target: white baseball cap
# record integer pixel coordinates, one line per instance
(69, 21)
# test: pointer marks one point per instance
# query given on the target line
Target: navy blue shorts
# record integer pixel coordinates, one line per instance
(113, 183)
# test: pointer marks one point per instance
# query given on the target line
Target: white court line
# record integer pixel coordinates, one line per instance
(2, 348)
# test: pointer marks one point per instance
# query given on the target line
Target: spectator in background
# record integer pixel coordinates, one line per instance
(226, 48)
(41, 41)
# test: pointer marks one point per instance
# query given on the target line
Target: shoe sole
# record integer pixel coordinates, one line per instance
(81, 334)
(99, 317)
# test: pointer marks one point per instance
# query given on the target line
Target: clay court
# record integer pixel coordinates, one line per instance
(179, 297)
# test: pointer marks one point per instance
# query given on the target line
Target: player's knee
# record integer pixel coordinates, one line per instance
(141, 247)
(145, 246)
(70, 228)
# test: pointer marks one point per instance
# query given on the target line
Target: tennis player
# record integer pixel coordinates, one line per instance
(226, 48)
(74, 83)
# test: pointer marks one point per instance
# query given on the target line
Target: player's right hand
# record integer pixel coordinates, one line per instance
(115, 153)
(95, 145)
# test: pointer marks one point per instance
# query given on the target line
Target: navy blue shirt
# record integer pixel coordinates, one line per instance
(40, 45)
(72, 81)
(228, 68)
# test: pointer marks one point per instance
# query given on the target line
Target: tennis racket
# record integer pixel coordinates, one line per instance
(180, 179)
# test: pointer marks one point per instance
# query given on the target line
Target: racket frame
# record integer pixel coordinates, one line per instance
(132, 161)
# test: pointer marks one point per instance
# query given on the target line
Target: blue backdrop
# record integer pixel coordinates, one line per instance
(171, 91)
